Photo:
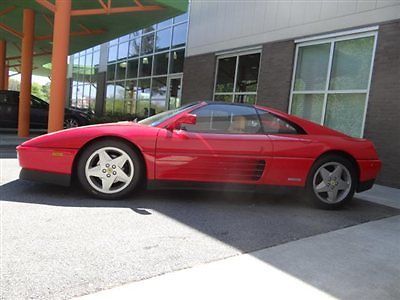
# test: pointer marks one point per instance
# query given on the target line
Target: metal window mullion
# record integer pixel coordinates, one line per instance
(235, 78)
(216, 77)
(328, 78)
(293, 79)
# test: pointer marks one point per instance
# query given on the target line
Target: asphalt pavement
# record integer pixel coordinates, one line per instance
(58, 243)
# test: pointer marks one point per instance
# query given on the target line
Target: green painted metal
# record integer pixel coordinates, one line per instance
(115, 25)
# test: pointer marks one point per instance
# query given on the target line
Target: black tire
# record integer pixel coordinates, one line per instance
(135, 182)
(71, 120)
(312, 195)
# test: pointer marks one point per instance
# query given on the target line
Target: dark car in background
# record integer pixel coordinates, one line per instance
(9, 101)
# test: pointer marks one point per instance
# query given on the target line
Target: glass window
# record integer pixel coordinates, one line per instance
(147, 44)
(113, 42)
(177, 59)
(181, 18)
(111, 72)
(121, 70)
(134, 47)
(226, 74)
(158, 95)
(123, 50)
(223, 98)
(143, 95)
(145, 66)
(249, 99)
(135, 34)
(179, 35)
(161, 63)
(119, 101)
(131, 89)
(149, 29)
(219, 118)
(308, 106)
(96, 62)
(345, 113)
(164, 24)
(338, 99)
(132, 68)
(247, 73)
(112, 53)
(123, 38)
(108, 107)
(163, 39)
(274, 125)
(312, 67)
(351, 64)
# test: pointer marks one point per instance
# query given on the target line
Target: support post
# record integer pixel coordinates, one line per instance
(62, 19)
(3, 52)
(26, 73)
(6, 77)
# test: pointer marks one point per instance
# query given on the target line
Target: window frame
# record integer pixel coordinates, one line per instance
(237, 55)
(332, 40)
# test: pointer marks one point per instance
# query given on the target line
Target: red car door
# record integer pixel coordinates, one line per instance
(226, 145)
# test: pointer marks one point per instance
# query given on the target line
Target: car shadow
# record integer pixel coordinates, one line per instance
(243, 220)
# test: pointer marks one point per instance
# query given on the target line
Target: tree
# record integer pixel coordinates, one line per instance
(36, 90)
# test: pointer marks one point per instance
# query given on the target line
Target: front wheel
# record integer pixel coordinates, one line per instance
(331, 182)
(109, 169)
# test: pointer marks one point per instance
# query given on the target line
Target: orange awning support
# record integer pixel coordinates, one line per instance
(3, 51)
(104, 9)
(26, 73)
(62, 22)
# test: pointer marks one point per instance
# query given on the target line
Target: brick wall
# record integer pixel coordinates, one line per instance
(198, 79)
(383, 115)
(276, 74)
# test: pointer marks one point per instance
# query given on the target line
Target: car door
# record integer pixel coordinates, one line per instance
(225, 145)
(39, 113)
(8, 109)
(292, 151)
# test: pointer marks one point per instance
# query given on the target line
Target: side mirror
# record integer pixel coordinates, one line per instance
(189, 119)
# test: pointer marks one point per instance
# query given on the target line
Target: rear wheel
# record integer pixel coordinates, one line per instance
(109, 169)
(71, 123)
(331, 182)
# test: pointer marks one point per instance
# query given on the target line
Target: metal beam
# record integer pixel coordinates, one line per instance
(11, 30)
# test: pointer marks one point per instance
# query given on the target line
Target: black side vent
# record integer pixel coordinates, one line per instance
(260, 166)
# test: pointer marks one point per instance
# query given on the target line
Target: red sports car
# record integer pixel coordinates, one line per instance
(206, 143)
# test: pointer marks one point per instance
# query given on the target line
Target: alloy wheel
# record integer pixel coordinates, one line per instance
(332, 182)
(109, 170)
(70, 123)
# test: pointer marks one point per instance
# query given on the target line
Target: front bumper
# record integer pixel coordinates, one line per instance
(45, 177)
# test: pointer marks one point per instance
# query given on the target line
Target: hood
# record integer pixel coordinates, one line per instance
(74, 138)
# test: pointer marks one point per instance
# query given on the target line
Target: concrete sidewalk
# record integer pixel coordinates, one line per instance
(358, 262)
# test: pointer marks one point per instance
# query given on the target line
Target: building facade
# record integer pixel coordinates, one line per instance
(336, 63)
(136, 75)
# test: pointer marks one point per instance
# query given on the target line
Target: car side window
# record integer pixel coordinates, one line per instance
(225, 118)
(275, 125)
(37, 103)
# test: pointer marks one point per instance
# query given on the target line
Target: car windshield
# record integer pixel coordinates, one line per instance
(161, 117)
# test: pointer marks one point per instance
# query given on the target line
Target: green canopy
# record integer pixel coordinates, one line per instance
(104, 27)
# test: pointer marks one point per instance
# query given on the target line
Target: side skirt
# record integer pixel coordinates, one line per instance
(223, 186)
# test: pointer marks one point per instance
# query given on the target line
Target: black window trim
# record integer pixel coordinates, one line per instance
(299, 129)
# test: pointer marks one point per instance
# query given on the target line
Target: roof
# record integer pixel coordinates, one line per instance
(87, 30)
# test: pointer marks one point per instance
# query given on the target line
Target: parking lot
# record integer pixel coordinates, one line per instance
(59, 243)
